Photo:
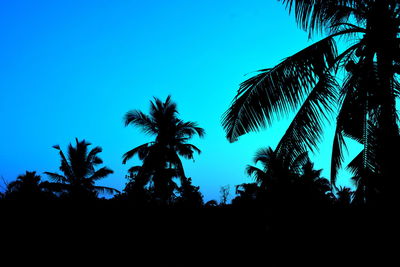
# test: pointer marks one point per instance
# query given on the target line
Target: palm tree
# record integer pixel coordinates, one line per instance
(344, 196)
(161, 157)
(79, 173)
(28, 187)
(276, 167)
(305, 82)
(278, 173)
(313, 189)
(246, 194)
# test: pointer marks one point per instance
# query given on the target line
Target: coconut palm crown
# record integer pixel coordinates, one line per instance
(161, 157)
(79, 173)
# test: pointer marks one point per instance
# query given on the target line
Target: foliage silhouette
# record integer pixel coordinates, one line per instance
(190, 196)
(28, 187)
(247, 195)
(161, 157)
(305, 82)
(344, 196)
(79, 174)
(224, 194)
(284, 180)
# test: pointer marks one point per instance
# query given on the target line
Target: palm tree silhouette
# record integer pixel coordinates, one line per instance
(79, 173)
(276, 167)
(344, 196)
(312, 188)
(161, 161)
(28, 187)
(278, 173)
(247, 194)
(305, 81)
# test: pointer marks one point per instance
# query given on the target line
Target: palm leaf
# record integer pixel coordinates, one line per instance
(141, 120)
(187, 150)
(258, 174)
(141, 150)
(305, 131)
(106, 190)
(57, 177)
(101, 173)
(316, 15)
(277, 91)
(339, 145)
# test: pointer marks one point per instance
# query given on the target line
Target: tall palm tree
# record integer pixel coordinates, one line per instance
(79, 173)
(305, 82)
(161, 157)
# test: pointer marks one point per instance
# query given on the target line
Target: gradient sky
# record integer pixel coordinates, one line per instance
(74, 68)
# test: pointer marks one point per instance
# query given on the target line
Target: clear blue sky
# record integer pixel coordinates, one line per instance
(74, 68)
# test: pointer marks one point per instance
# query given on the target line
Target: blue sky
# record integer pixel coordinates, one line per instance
(74, 68)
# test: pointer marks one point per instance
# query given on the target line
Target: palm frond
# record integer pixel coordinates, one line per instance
(65, 167)
(305, 131)
(316, 15)
(189, 129)
(141, 150)
(138, 118)
(57, 177)
(339, 145)
(264, 155)
(356, 165)
(92, 156)
(106, 190)
(296, 164)
(187, 150)
(101, 173)
(277, 91)
(55, 186)
(258, 174)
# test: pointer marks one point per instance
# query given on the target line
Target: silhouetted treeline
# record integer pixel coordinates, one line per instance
(281, 180)
(290, 215)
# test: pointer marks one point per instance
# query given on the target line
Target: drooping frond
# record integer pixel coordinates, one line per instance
(56, 186)
(317, 15)
(187, 150)
(57, 177)
(144, 122)
(265, 156)
(106, 190)
(277, 91)
(356, 165)
(92, 157)
(258, 174)
(142, 151)
(352, 116)
(101, 173)
(305, 131)
(189, 129)
(339, 145)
